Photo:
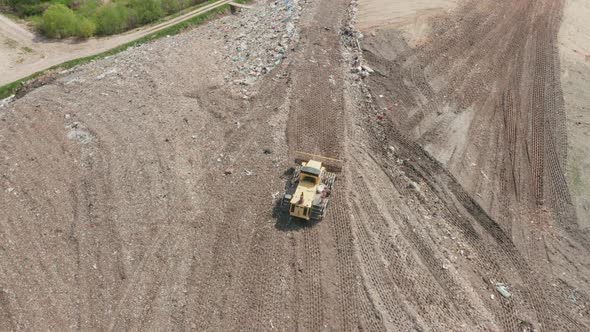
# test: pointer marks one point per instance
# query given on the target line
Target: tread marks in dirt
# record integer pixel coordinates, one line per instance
(383, 283)
(338, 218)
(24, 231)
(520, 72)
(317, 125)
(143, 285)
(420, 275)
(311, 315)
(506, 254)
(244, 286)
(488, 62)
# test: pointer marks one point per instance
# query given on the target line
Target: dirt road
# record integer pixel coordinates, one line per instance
(24, 53)
(140, 192)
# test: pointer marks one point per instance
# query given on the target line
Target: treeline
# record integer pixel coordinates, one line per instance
(86, 18)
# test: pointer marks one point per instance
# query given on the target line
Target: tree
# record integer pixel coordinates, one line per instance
(111, 19)
(147, 10)
(28, 7)
(58, 21)
(88, 8)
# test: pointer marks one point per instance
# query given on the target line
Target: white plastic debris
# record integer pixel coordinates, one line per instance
(503, 290)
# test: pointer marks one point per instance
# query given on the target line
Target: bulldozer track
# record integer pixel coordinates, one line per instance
(517, 77)
(506, 251)
(146, 278)
(258, 279)
(427, 282)
(385, 281)
(317, 126)
(369, 316)
(339, 219)
(311, 307)
(383, 295)
(483, 261)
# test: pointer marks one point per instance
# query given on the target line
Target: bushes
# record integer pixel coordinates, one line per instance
(172, 6)
(85, 18)
(146, 11)
(111, 19)
(86, 27)
(59, 21)
(28, 7)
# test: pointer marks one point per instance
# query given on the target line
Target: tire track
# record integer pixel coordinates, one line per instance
(317, 125)
(381, 289)
(439, 286)
(340, 222)
(531, 280)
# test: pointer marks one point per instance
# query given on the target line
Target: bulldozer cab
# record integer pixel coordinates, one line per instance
(310, 172)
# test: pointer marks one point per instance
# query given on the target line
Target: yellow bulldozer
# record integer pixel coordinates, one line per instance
(308, 190)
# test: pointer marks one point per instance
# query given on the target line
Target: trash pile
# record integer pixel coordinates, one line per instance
(257, 40)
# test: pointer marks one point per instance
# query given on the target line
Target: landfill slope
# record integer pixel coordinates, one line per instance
(481, 92)
(139, 192)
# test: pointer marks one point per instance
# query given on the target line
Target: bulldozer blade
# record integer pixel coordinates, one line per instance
(331, 164)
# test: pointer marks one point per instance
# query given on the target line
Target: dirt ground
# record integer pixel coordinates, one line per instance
(411, 17)
(138, 191)
(574, 51)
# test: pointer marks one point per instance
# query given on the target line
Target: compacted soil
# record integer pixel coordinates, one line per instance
(139, 192)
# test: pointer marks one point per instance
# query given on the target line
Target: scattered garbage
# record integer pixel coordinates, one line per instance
(105, 74)
(6, 101)
(503, 290)
(275, 196)
(77, 132)
(257, 41)
(367, 69)
(574, 297)
(413, 185)
(267, 151)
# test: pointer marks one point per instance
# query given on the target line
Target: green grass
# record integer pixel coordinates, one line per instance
(11, 88)
(27, 49)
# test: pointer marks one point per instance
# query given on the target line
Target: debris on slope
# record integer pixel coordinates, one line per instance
(503, 290)
(257, 40)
